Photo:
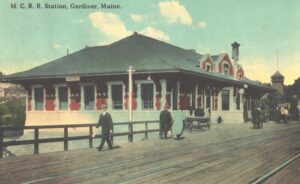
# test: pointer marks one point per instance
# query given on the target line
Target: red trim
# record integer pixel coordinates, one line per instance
(29, 102)
(50, 105)
(100, 102)
(240, 71)
(199, 100)
(74, 105)
(227, 60)
(134, 103)
(75, 97)
(157, 103)
(168, 100)
(184, 102)
(50, 99)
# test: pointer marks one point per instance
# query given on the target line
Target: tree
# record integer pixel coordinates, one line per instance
(12, 112)
(292, 95)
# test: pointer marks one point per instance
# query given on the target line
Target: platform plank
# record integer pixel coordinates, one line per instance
(237, 160)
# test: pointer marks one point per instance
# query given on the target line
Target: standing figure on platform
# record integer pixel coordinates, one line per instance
(165, 121)
(199, 111)
(256, 118)
(106, 122)
(191, 110)
(285, 115)
(179, 118)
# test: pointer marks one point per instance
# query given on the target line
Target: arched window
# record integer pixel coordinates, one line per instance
(207, 68)
(226, 69)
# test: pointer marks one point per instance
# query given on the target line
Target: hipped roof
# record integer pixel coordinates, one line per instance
(143, 53)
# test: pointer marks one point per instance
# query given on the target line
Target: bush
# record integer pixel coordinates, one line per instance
(12, 112)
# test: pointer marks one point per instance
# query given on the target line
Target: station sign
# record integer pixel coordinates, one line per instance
(72, 78)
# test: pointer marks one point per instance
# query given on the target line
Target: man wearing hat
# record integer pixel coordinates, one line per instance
(105, 121)
(165, 122)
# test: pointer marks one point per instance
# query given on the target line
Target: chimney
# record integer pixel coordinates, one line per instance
(67, 51)
(235, 53)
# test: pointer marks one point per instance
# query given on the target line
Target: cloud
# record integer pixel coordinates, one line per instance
(56, 46)
(79, 21)
(174, 12)
(262, 69)
(258, 65)
(136, 17)
(155, 33)
(202, 49)
(110, 25)
(114, 28)
(202, 25)
(25, 64)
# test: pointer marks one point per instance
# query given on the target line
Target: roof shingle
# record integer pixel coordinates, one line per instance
(143, 53)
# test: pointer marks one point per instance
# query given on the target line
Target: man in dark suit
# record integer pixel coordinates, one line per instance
(165, 122)
(199, 111)
(105, 121)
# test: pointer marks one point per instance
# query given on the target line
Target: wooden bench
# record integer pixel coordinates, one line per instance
(195, 122)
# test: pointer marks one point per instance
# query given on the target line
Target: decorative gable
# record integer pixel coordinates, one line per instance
(240, 73)
(225, 66)
(208, 65)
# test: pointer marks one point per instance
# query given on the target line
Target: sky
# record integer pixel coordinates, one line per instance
(31, 37)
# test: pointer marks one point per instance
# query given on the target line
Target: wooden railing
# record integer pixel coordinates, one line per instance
(66, 138)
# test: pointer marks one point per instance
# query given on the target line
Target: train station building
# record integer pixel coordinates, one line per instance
(71, 89)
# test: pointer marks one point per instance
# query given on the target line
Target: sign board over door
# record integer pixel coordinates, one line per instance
(72, 78)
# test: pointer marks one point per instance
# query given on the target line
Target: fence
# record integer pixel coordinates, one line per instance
(65, 139)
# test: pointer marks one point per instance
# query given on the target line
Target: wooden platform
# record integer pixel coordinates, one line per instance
(290, 174)
(236, 160)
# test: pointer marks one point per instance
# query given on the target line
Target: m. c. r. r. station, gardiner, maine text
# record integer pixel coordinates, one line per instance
(63, 6)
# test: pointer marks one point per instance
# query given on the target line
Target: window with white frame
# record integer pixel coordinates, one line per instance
(225, 99)
(39, 98)
(89, 97)
(117, 96)
(63, 98)
(147, 96)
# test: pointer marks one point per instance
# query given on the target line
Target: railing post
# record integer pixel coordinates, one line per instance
(129, 132)
(65, 138)
(112, 136)
(91, 137)
(130, 135)
(146, 130)
(1, 143)
(36, 140)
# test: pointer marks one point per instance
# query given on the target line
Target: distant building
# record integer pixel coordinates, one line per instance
(72, 88)
(8, 90)
(278, 82)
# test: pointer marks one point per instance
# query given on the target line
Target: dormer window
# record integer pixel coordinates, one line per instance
(207, 68)
(240, 76)
(226, 69)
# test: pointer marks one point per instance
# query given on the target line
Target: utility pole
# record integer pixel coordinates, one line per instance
(277, 59)
(130, 71)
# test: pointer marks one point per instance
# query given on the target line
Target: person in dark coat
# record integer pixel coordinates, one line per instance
(199, 111)
(165, 122)
(256, 118)
(105, 121)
